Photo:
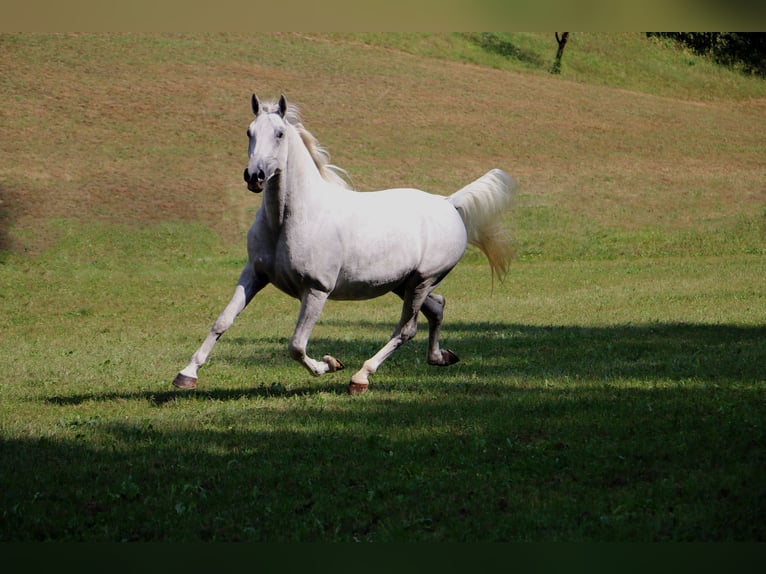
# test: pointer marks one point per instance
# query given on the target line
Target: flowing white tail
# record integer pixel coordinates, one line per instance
(481, 204)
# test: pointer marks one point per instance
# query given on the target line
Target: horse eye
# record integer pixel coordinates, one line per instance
(279, 134)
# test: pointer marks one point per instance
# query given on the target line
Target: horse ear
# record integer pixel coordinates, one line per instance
(255, 105)
(282, 105)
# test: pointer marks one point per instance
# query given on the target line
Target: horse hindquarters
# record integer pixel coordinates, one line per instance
(389, 235)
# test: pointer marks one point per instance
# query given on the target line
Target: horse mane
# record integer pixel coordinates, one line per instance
(329, 172)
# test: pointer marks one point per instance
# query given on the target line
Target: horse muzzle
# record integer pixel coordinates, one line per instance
(255, 181)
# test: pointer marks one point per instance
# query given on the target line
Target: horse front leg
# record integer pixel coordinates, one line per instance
(248, 285)
(312, 303)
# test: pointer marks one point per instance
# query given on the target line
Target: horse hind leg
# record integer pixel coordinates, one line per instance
(405, 330)
(433, 309)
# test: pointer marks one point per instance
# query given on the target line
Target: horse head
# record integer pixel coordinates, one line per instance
(267, 149)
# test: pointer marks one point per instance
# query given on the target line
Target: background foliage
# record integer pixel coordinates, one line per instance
(743, 50)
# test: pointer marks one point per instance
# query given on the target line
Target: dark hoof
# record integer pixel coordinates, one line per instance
(333, 363)
(448, 358)
(357, 388)
(185, 383)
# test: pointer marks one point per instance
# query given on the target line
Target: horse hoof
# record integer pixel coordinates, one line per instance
(333, 363)
(448, 358)
(357, 388)
(185, 383)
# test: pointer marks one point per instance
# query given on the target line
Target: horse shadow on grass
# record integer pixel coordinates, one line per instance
(161, 397)
(492, 352)
(649, 352)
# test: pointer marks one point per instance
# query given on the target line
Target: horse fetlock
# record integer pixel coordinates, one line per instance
(361, 377)
(296, 353)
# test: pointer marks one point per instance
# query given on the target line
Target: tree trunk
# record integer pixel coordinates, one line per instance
(562, 41)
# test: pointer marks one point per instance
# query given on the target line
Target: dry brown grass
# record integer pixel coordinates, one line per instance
(149, 129)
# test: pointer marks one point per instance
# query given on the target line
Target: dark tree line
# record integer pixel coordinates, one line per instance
(745, 50)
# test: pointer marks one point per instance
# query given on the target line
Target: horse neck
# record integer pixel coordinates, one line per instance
(301, 178)
(295, 193)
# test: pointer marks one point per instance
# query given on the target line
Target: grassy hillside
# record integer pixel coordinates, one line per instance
(145, 129)
(627, 60)
(612, 389)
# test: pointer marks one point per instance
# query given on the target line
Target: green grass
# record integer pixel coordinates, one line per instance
(595, 401)
(612, 389)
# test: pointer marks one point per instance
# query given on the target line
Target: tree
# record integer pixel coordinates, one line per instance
(743, 50)
(562, 41)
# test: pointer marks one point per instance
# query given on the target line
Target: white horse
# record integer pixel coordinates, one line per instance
(314, 239)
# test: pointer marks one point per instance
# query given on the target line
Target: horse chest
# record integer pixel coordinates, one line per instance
(292, 265)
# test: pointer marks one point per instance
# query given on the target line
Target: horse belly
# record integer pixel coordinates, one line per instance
(367, 279)
(361, 291)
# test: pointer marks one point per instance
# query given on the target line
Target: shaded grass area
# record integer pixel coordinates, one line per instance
(637, 452)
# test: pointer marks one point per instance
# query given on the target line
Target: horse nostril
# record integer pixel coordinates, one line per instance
(260, 175)
(247, 176)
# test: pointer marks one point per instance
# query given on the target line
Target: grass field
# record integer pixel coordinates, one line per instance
(612, 389)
